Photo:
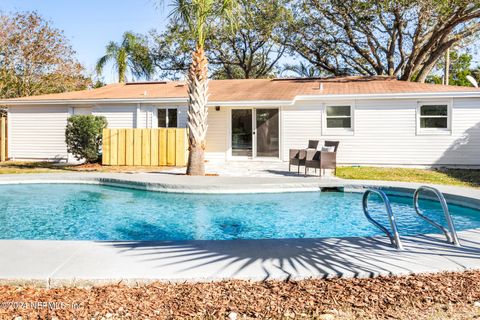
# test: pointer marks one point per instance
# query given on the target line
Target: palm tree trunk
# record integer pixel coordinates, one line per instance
(197, 112)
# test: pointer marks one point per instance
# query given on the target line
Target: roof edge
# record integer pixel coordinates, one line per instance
(453, 94)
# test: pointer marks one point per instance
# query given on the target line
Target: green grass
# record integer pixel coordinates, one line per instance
(454, 177)
(13, 167)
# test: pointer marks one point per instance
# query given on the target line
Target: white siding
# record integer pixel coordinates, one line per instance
(145, 114)
(118, 116)
(300, 124)
(82, 111)
(384, 131)
(464, 146)
(217, 134)
(385, 134)
(37, 132)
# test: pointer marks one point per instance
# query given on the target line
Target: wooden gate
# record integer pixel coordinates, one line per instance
(145, 147)
(3, 139)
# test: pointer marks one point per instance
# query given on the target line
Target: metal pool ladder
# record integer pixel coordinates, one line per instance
(393, 236)
(451, 233)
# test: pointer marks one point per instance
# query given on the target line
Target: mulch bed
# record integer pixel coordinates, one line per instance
(437, 296)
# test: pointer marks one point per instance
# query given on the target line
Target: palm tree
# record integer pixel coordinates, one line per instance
(198, 17)
(303, 70)
(132, 53)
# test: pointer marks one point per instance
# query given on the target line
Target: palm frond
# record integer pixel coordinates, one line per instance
(110, 53)
(101, 64)
(183, 11)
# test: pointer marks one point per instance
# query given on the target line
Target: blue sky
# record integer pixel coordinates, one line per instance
(90, 24)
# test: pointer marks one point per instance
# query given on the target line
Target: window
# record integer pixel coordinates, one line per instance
(339, 117)
(434, 116)
(167, 118)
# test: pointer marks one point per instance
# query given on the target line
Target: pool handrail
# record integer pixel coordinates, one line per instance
(451, 233)
(395, 237)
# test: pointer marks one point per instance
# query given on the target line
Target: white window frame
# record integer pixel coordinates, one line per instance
(339, 131)
(166, 108)
(434, 131)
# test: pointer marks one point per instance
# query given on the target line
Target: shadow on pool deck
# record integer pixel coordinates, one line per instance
(301, 258)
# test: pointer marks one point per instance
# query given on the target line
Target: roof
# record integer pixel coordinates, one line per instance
(253, 90)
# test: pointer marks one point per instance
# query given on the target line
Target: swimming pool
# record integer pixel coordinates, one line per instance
(93, 212)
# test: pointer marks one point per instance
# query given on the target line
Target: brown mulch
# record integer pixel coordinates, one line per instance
(438, 296)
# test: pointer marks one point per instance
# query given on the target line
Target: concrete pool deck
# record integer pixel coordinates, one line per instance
(55, 263)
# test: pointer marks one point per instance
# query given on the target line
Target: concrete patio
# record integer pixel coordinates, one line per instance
(57, 263)
(265, 169)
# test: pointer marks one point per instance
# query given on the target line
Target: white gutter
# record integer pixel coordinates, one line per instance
(246, 103)
(93, 101)
(468, 94)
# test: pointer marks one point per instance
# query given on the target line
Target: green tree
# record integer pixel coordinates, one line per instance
(402, 38)
(252, 50)
(200, 16)
(256, 46)
(460, 68)
(131, 55)
(83, 137)
(36, 58)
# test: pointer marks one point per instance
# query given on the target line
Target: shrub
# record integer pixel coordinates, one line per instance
(84, 137)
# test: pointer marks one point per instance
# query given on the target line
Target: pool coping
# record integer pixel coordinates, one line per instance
(59, 263)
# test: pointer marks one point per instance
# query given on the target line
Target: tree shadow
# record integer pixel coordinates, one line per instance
(460, 153)
(284, 259)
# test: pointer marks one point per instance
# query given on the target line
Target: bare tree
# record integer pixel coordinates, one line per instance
(403, 38)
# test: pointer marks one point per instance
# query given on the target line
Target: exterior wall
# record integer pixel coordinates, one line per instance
(37, 132)
(117, 116)
(217, 134)
(299, 124)
(385, 133)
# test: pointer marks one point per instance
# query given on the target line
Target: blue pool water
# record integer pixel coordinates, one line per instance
(89, 212)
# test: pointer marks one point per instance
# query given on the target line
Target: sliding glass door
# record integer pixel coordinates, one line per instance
(255, 133)
(242, 133)
(267, 133)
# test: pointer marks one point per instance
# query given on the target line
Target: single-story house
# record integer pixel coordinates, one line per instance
(378, 120)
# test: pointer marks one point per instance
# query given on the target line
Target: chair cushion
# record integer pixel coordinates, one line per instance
(328, 149)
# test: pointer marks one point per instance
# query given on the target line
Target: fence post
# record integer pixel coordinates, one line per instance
(3, 137)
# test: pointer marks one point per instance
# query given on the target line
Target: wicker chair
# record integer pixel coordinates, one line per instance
(322, 159)
(297, 156)
(328, 160)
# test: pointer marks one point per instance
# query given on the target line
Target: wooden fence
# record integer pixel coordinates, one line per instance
(3, 139)
(145, 147)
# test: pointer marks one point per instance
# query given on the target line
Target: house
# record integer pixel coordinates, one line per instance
(378, 120)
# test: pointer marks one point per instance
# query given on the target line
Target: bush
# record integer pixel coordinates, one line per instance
(84, 137)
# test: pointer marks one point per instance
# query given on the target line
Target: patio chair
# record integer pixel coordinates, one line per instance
(313, 144)
(312, 160)
(328, 160)
(297, 156)
(322, 159)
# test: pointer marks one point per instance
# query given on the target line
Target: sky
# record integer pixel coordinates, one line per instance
(91, 24)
